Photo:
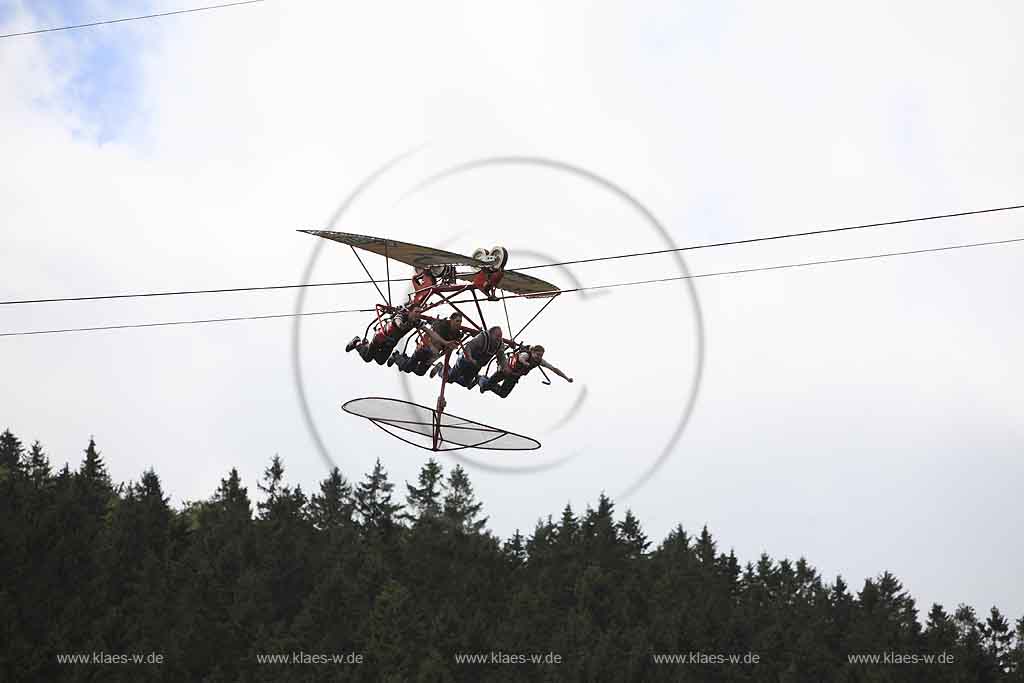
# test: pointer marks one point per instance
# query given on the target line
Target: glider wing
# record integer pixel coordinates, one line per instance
(404, 252)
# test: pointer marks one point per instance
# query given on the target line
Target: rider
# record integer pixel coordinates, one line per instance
(423, 283)
(520, 362)
(486, 281)
(441, 336)
(476, 353)
(387, 336)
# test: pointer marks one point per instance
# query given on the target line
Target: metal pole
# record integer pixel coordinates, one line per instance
(440, 402)
(483, 322)
(371, 277)
(507, 319)
(534, 317)
(387, 269)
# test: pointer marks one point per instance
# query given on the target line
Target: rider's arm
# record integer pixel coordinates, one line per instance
(472, 348)
(435, 337)
(552, 368)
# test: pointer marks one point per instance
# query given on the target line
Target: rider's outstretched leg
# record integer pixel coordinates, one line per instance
(506, 387)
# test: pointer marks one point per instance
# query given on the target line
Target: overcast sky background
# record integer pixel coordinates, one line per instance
(864, 415)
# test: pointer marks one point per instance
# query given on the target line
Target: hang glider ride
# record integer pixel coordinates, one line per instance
(440, 277)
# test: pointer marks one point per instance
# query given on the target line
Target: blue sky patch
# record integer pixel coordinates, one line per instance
(101, 64)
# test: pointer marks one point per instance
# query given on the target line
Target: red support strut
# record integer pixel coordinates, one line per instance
(441, 402)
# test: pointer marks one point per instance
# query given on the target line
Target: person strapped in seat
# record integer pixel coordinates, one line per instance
(387, 336)
(476, 354)
(519, 364)
(423, 283)
(441, 336)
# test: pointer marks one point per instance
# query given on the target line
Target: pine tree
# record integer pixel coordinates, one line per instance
(540, 544)
(676, 545)
(966, 620)
(281, 503)
(231, 499)
(974, 657)
(598, 529)
(150, 488)
(424, 500)
(901, 605)
(97, 490)
(515, 548)
(93, 469)
(136, 545)
(940, 630)
(332, 508)
(460, 505)
(273, 478)
(633, 536)
(568, 529)
(38, 465)
(840, 614)
(706, 548)
(1017, 653)
(11, 452)
(373, 500)
(998, 638)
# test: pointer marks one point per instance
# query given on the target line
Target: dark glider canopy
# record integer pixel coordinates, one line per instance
(424, 257)
(404, 252)
(524, 285)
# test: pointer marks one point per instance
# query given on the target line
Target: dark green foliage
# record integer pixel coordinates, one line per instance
(424, 500)
(94, 470)
(87, 567)
(373, 501)
(332, 508)
(461, 508)
(37, 465)
(11, 451)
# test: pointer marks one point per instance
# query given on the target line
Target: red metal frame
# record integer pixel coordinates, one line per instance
(440, 401)
(424, 297)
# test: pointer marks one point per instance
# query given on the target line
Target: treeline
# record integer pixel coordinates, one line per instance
(410, 579)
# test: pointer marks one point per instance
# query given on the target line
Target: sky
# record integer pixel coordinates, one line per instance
(863, 415)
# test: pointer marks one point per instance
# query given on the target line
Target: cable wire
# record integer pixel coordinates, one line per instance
(758, 269)
(138, 295)
(183, 322)
(543, 265)
(768, 238)
(118, 21)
